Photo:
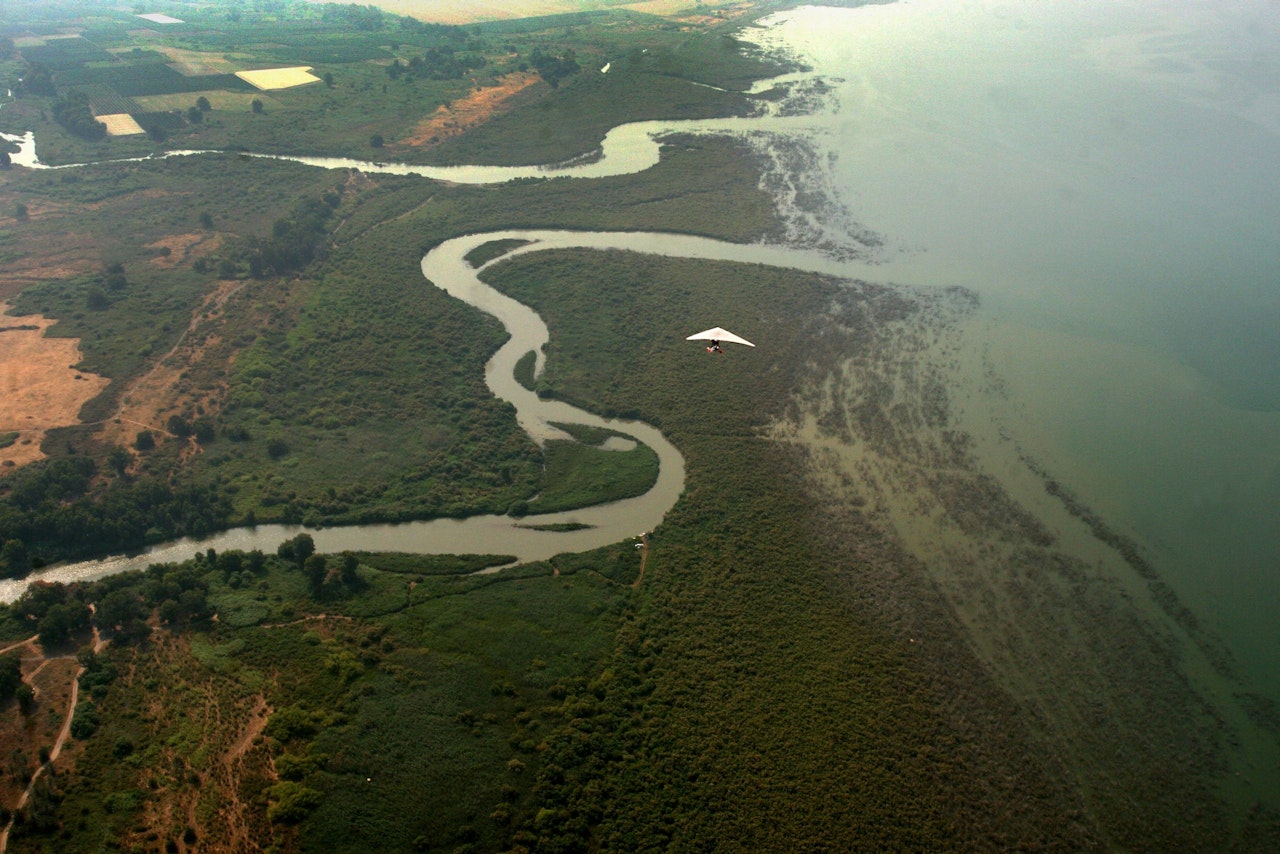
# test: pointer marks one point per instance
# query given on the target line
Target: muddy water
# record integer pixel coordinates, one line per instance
(445, 267)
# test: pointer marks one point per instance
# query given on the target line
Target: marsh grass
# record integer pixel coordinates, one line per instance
(581, 473)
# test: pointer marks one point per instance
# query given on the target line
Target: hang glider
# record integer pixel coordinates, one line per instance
(716, 335)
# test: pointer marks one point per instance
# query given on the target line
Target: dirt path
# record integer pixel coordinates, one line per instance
(27, 643)
(644, 560)
(63, 734)
(155, 392)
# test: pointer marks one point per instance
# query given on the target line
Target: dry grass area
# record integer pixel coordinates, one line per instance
(121, 124)
(463, 114)
(218, 99)
(268, 79)
(39, 384)
(191, 63)
(20, 273)
(183, 248)
(148, 401)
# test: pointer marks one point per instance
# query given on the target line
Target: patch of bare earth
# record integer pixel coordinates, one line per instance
(161, 390)
(176, 249)
(465, 113)
(207, 796)
(39, 384)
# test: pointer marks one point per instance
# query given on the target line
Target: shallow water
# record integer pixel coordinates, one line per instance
(1107, 177)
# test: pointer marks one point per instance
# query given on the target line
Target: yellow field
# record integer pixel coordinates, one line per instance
(120, 124)
(39, 390)
(279, 78)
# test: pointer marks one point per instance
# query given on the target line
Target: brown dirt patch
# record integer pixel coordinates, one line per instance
(40, 388)
(183, 248)
(144, 404)
(463, 114)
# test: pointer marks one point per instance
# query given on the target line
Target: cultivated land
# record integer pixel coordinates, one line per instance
(771, 672)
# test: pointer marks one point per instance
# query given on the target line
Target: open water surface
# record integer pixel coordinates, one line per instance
(1106, 176)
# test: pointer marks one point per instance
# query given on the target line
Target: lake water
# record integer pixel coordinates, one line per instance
(1107, 177)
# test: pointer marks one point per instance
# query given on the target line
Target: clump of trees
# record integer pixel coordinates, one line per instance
(438, 63)
(553, 68)
(51, 511)
(73, 113)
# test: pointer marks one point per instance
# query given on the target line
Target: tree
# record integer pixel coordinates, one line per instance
(230, 562)
(5, 160)
(114, 276)
(316, 569)
(203, 430)
(119, 460)
(20, 212)
(10, 675)
(194, 115)
(206, 220)
(14, 559)
(349, 566)
(26, 698)
(328, 79)
(203, 105)
(179, 426)
(74, 114)
(56, 625)
(117, 608)
(96, 299)
(376, 140)
(257, 105)
(145, 441)
(298, 548)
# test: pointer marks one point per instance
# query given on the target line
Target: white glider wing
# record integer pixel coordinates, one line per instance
(717, 334)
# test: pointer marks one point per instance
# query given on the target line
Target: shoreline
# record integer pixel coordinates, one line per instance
(1111, 671)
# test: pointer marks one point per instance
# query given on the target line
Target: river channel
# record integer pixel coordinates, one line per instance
(626, 149)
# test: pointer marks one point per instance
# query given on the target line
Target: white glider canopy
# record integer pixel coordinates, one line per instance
(715, 333)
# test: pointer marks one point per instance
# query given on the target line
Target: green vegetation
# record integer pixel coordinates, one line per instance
(382, 75)
(385, 730)
(751, 664)
(581, 473)
(524, 370)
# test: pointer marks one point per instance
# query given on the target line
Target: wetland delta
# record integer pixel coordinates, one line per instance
(975, 550)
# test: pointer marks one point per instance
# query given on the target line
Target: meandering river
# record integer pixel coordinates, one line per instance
(1103, 175)
(626, 149)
